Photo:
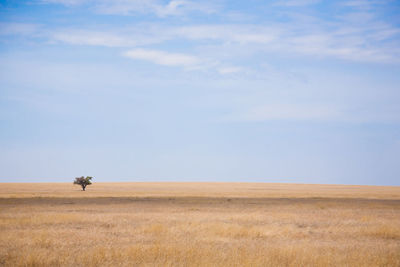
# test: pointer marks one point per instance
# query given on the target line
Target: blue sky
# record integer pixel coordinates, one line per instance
(302, 91)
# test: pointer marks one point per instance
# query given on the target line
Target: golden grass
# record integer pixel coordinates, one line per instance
(173, 189)
(199, 224)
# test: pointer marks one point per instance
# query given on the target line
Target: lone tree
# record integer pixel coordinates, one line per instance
(82, 181)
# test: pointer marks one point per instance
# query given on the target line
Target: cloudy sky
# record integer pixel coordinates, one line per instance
(303, 91)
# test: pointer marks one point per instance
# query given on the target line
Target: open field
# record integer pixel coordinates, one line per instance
(199, 224)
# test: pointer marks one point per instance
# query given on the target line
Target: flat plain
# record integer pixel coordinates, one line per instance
(199, 224)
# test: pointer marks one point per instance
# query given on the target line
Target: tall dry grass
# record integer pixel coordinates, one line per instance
(191, 224)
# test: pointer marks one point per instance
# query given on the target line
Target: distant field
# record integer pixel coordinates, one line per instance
(199, 224)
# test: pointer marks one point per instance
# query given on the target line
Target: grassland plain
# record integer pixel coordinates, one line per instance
(199, 224)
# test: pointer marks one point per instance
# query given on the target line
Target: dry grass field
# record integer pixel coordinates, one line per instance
(199, 224)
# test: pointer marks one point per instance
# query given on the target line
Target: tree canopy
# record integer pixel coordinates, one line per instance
(83, 181)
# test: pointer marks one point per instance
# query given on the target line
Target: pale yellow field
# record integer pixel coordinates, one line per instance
(199, 224)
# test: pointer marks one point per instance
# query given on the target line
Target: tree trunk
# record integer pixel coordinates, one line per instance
(83, 187)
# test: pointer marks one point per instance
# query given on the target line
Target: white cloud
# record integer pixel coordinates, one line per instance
(78, 37)
(172, 8)
(350, 42)
(131, 7)
(126, 7)
(359, 35)
(163, 58)
(363, 4)
(19, 28)
(296, 3)
(180, 7)
(65, 2)
(227, 33)
(370, 42)
(358, 43)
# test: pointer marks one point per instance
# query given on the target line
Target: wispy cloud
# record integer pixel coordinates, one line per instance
(356, 34)
(363, 4)
(65, 2)
(13, 28)
(172, 8)
(296, 3)
(132, 7)
(232, 33)
(358, 43)
(95, 38)
(163, 58)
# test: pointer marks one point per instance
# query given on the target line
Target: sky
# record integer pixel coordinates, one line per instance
(297, 91)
